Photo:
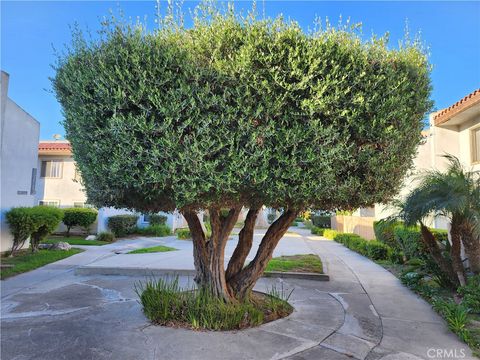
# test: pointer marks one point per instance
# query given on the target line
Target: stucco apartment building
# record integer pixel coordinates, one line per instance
(19, 133)
(454, 130)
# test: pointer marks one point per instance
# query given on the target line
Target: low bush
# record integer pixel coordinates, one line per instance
(156, 219)
(83, 217)
(47, 218)
(299, 219)
(377, 250)
(166, 303)
(308, 224)
(471, 294)
(122, 225)
(330, 234)
(295, 223)
(154, 230)
(35, 222)
(384, 232)
(21, 224)
(373, 249)
(321, 221)
(409, 239)
(183, 234)
(317, 231)
(105, 236)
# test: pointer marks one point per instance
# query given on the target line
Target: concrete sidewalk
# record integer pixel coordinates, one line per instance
(364, 312)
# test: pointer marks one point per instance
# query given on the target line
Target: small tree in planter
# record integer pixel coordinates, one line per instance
(83, 217)
(236, 113)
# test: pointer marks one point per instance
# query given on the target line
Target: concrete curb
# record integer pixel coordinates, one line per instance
(140, 271)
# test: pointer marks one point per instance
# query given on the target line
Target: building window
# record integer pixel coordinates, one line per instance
(33, 182)
(146, 218)
(476, 145)
(52, 169)
(79, 204)
(55, 203)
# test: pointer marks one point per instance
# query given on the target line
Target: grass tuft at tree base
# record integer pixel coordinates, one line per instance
(296, 263)
(26, 260)
(166, 303)
(154, 249)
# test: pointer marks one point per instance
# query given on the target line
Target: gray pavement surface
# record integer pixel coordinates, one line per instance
(363, 312)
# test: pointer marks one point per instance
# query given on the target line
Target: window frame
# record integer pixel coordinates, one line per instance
(60, 161)
(475, 153)
(49, 200)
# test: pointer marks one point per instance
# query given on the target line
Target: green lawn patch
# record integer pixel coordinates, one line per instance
(296, 263)
(74, 240)
(26, 260)
(154, 249)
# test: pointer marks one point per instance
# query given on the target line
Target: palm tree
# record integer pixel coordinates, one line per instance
(454, 194)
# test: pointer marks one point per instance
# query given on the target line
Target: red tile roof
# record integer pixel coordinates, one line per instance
(54, 146)
(461, 105)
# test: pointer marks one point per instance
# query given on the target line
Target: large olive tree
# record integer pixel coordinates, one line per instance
(237, 112)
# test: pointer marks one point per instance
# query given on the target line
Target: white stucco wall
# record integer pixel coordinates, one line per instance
(18, 153)
(465, 140)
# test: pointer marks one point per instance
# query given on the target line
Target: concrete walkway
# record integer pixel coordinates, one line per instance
(363, 312)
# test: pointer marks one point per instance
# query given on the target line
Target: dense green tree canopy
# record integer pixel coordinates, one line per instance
(241, 111)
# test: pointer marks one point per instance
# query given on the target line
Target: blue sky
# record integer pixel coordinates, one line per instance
(30, 30)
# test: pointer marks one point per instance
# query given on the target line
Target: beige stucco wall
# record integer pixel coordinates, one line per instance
(18, 156)
(64, 189)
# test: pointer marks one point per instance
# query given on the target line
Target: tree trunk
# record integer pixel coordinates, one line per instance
(245, 241)
(455, 251)
(243, 282)
(434, 250)
(209, 255)
(471, 243)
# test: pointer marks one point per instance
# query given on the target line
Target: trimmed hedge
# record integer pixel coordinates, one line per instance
(372, 249)
(317, 231)
(122, 225)
(156, 219)
(154, 230)
(330, 234)
(321, 221)
(83, 217)
(105, 236)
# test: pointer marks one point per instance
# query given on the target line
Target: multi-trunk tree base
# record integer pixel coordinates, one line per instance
(236, 282)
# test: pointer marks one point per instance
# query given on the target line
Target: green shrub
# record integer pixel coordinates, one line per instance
(21, 224)
(321, 221)
(183, 234)
(345, 238)
(156, 219)
(377, 250)
(83, 217)
(384, 232)
(105, 236)
(299, 220)
(440, 235)
(308, 224)
(471, 294)
(409, 240)
(295, 223)
(154, 230)
(330, 234)
(317, 231)
(122, 225)
(47, 218)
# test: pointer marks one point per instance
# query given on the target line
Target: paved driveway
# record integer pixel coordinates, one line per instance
(363, 312)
